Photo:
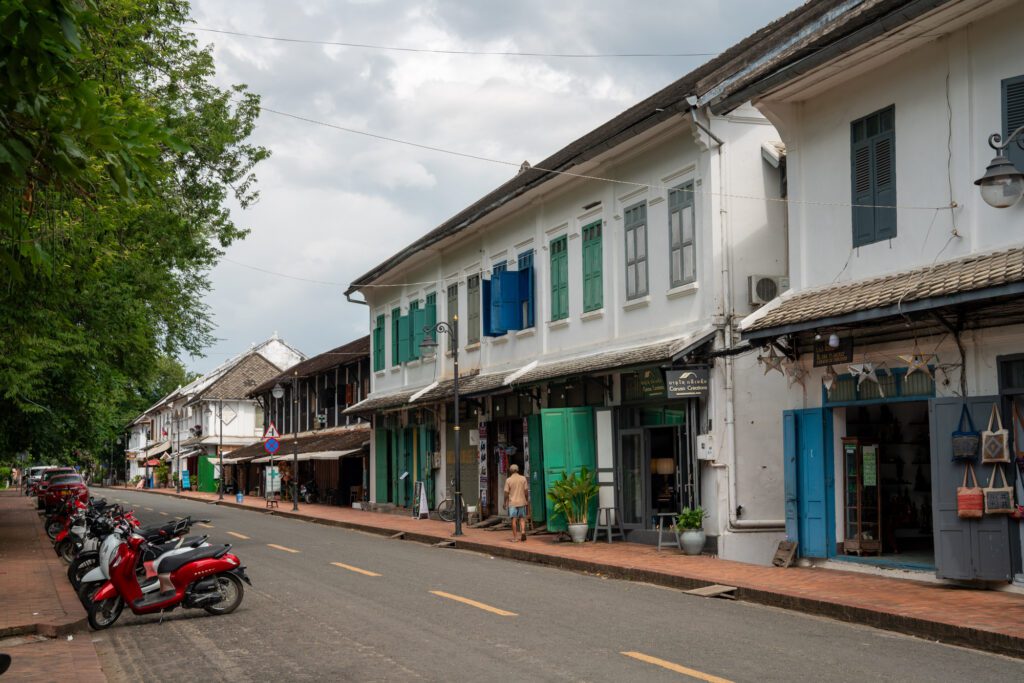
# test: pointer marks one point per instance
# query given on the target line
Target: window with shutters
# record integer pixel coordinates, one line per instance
(453, 305)
(1013, 117)
(636, 250)
(873, 175)
(473, 309)
(415, 322)
(525, 265)
(593, 277)
(396, 323)
(560, 278)
(682, 252)
(378, 344)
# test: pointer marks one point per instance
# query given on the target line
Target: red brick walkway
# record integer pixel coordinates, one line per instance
(36, 598)
(989, 620)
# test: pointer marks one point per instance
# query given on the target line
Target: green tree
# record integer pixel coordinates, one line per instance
(117, 157)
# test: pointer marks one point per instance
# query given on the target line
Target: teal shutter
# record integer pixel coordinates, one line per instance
(593, 287)
(1013, 117)
(537, 505)
(396, 326)
(568, 442)
(431, 311)
(883, 153)
(417, 321)
(559, 279)
(378, 344)
(403, 339)
(380, 458)
(863, 194)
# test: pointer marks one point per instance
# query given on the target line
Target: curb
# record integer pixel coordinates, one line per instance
(964, 636)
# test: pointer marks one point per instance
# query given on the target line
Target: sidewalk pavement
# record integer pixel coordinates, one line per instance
(979, 619)
(36, 600)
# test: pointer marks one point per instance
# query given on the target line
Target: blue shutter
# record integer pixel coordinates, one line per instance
(526, 295)
(485, 306)
(511, 317)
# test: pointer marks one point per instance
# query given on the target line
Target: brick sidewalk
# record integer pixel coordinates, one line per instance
(980, 619)
(36, 598)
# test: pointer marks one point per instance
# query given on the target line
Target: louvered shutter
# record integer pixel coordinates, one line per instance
(883, 153)
(511, 317)
(863, 194)
(417, 321)
(526, 295)
(403, 339)
(485, 307)
(1013, 117)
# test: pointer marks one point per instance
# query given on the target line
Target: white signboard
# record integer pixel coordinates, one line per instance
(272, 480)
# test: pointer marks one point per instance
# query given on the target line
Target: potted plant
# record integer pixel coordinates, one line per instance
(571, 496)
(690, 530)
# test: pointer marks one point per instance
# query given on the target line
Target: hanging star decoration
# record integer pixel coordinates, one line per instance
(795, 373)
(772, 361)
(829, 379)
(918, 362)
(867, 372)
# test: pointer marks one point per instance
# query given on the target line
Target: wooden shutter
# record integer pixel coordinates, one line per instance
(593, 286)
(378, 344)
(863, 193)
(883, 153)
(486, 310)
(430, 319)
(526, 296)
(417, 321)
(559, 279)
(510, 312)
(1013, 117)
(396, 346)
(473, 309)
(403, 339)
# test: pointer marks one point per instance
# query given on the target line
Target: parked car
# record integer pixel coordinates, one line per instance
(65, 486)
(32, 476)
(44, 482)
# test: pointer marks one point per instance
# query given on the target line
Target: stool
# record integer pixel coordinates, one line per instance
(671, 517)
(272, 501)
(606, 525)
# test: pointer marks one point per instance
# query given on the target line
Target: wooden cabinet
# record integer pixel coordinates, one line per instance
(862, 508)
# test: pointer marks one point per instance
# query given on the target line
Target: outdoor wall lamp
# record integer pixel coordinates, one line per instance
(278, 391)
(1002, 185)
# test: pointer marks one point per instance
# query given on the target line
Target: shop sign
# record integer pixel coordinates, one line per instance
(687, 383)
(869, 466)
(825, 355)
(651, 383)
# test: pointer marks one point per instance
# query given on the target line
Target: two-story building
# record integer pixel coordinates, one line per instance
(305, 407)
(905, 308)
(594, 296)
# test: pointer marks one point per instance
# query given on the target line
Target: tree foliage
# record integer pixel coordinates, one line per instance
(117, 157)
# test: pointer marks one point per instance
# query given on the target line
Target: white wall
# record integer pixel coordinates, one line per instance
(817, 133)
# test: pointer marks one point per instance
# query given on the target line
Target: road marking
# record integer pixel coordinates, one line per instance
(678, 668)
(164, 514)
(281, 547)
(150, 509)
(238, 535)
(208, 526)
(474, 603)
(357, 570)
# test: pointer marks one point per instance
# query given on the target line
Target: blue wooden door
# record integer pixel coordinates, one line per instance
(807, 448)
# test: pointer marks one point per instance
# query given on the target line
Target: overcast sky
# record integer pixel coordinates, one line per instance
(334, 204)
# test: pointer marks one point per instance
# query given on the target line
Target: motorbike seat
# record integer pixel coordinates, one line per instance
(176, 562)
(193, 541)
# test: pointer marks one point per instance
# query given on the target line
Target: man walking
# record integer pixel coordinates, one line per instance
(515, 501)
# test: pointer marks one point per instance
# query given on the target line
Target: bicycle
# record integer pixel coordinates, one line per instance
(446, 508)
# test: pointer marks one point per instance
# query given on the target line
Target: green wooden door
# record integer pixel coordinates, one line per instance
(206, 481)
(380, 475)
(568, 441)
(423, 457)
(538, 504)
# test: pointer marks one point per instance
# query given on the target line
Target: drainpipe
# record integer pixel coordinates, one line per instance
(736, 525)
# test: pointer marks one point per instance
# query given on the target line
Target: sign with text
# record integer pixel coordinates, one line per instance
(651, 383)
(825, 355)
(687, 383)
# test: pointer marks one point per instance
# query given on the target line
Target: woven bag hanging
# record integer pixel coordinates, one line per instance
(998, 499)
(965, 441)
(970, 500)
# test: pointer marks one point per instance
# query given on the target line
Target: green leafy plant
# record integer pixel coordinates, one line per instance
(691, 519)
(160, 474)
(571, 495)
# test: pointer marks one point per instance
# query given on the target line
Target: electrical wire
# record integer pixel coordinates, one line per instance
(438, 51)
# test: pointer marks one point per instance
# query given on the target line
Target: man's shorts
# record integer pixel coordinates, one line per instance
(517, 512)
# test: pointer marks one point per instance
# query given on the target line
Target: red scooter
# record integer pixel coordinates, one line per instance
(208, 578)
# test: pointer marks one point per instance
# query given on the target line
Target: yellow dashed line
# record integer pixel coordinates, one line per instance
(150, 509)
(678, 668)
(164, 514)
(208, 526)
(238, 535)
(474, 603)
(357, 570)
(281, 547)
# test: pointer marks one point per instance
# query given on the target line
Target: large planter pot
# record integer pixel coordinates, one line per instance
(691, 541)
(578, 532)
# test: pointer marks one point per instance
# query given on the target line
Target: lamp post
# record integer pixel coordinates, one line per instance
(427, 348)
(220, 447)
(295, 441)
(1002, 185)
(278, 393)
(177, 453)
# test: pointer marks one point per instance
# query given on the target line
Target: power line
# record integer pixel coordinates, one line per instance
(284, 275)
(483, 53)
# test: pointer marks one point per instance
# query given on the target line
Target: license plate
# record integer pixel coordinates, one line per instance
(65, 493)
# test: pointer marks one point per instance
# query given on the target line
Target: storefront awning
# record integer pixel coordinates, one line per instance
(336, 439)
(985, 289)
(158, 449)
(303, 457)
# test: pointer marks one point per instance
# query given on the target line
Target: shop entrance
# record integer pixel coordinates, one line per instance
(886, 483)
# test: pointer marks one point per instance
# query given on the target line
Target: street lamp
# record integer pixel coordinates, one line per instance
(220, 447)
(295, 442)
(278, 393)
(428, 348)
(1002, 185)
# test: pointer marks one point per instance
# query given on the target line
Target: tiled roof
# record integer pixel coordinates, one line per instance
(351, 352)
(469, 385)
(970, 274)
(239, 380)
(338, 439)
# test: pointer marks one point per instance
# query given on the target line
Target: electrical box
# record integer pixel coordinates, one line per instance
(705, 447)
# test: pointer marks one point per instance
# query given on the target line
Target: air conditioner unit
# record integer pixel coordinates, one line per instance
(764, 288)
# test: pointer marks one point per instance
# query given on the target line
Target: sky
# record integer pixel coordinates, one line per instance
(334, 204)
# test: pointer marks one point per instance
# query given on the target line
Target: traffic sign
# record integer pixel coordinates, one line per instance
(271, 432)
(271, 445)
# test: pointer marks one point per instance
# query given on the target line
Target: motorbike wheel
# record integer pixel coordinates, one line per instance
(103, 614)
(230, 587)
(53, 528)
(82, 565)
(446, 510)
(67, 551)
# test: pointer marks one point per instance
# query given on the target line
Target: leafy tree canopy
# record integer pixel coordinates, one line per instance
(117, 157)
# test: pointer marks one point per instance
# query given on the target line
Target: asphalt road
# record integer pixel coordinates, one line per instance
(394, 610)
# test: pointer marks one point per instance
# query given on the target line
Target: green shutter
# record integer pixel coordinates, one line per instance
(593, 287)
(568, 441)
(417, 321)
(380, 458)
(538, 506)
(559, 279)
(1013, 117)
(378, 344)
(883, 157)
(431, 311)
(873, 177)
(396, 326)
(403, 339)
